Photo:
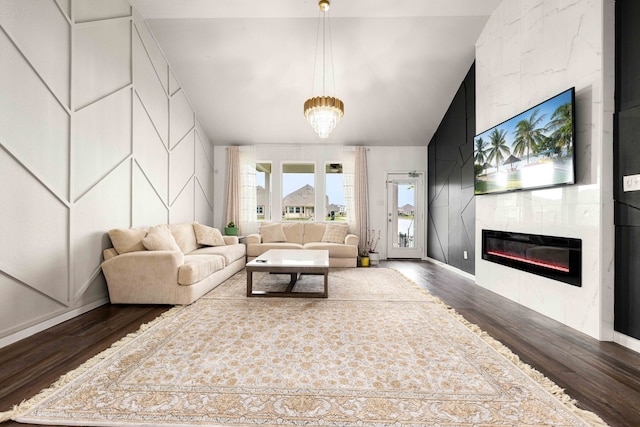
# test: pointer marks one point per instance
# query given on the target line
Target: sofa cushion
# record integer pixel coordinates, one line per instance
(259, 249)
(127, 239)
(198, 267)
(185, 236)
(272, 233)
(313, 231)
(159, 238)
(207, 236)
(231, 240)
(294, 231)
(230, 253)
(336, 250)
(335, 233)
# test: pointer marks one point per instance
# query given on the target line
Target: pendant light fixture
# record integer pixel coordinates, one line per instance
(324, 112)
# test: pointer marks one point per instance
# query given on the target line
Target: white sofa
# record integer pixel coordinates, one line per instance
(169, 264)
(334, 237)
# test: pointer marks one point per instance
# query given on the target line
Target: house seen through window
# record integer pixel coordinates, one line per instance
(298, 192)
(263, 191)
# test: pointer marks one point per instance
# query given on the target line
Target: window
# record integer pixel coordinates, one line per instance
(263, 191)
(334, 184)
(298, 191)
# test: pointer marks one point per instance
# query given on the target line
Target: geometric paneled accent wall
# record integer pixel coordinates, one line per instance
(452, 208)
(95, 133)
(627, 162)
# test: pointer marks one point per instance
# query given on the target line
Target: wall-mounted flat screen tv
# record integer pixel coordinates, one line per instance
(532, 150)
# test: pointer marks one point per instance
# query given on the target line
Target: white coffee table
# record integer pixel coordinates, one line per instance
(293, 262)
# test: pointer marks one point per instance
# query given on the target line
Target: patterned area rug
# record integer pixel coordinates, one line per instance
(379, 351)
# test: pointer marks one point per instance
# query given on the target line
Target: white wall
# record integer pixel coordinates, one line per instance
(380, 160)
(528, 52)
(95, 133)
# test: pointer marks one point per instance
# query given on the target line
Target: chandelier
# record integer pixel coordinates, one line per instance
(323, 112)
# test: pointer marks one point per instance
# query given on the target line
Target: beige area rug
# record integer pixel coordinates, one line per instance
(377, 352)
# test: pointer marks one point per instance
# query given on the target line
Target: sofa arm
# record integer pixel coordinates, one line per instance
(351, 239)
(231, 240)
(142, 276)
(109, 253)
(254, 239)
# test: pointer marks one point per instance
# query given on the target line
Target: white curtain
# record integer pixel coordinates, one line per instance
(356, 193)
(349, 178)
(241, 189)
(248, 223)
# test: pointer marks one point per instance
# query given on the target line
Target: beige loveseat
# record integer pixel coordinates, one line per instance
(334, 237)
(169, 264)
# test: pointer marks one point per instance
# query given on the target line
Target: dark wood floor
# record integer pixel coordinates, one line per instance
(603, 377)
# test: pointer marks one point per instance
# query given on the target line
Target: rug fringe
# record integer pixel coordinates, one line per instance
(70, 376)
(544, 382)
(8, 415)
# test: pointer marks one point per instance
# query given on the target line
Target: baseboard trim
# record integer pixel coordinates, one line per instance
(451, 268)
(32, 330)
(626, 341)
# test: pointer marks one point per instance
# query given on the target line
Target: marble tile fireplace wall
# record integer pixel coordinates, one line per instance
(527, 52)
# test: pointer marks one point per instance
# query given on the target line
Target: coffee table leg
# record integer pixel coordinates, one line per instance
(326, 284)
(292, 283)
(249, 283)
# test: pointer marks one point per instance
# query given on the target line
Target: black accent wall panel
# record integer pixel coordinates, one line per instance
(431, 171)
(627, 291)
(627, 54)
(451, 224)
(626, 147)
(627, 155)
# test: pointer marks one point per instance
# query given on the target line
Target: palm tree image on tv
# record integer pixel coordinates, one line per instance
(498, 149)
(561, 124)
(480, 152)
(531, 150)
(529, 134)
(480, 155)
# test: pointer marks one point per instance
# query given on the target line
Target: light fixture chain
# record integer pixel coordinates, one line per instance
(324, 112)
(333, 69)
(315, 56)
(324, 55)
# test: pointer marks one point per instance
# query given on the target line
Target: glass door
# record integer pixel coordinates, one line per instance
(404, 215)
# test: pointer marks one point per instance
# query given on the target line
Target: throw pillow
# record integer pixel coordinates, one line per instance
(272, 233)
(160, 238)
(335, 233)
(185, 236)
(127, 239)
(208, 236)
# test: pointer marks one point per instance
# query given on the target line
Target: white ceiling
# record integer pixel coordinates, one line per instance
(247, 66)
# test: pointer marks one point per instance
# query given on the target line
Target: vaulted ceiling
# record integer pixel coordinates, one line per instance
(247, 66)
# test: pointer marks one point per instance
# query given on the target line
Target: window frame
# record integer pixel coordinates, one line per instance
(267, 211)
(326, 200)
(301, 210)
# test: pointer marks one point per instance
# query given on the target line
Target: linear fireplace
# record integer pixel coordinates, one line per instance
(558, 258)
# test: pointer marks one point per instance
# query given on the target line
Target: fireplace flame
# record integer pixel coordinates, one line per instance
(530, 261)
